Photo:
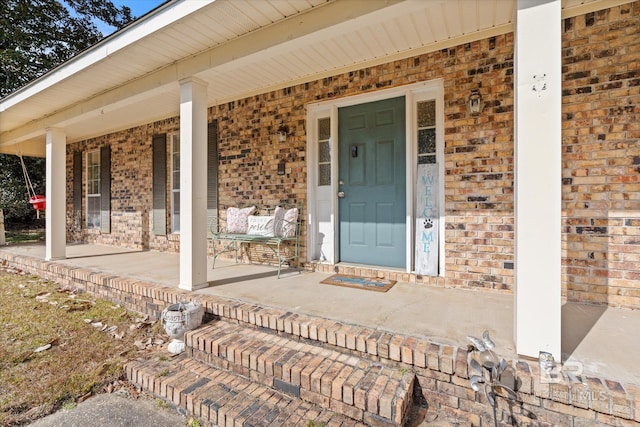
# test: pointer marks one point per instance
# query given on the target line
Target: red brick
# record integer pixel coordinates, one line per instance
(361, 390)
(375, 393)
(600, 400)
(446, 359)
(385, 403)
(461, 364)
(433, 355)
(336, 385)
(305, 375)
(420, 354)
(317, 375)
(348, 410)
(395, 347)
(349, 385)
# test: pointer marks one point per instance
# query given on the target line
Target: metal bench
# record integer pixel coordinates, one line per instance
(232, 242)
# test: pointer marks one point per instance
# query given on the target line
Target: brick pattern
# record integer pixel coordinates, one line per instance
(226, 399)
(355, 387)
(601, 156)
(441, 370)
(131, 189)
(478, 157)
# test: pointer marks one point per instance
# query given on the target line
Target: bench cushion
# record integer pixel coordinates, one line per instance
(238, 219)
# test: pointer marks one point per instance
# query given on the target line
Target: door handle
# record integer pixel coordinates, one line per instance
(340, 194)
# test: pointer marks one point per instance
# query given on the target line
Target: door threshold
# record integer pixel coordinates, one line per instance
(363, 270)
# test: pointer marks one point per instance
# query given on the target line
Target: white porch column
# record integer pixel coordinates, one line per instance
(538, 175)
(56, 195)
(193, 184)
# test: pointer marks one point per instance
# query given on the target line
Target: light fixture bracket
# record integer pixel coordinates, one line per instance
(475, 104)
(282, 132)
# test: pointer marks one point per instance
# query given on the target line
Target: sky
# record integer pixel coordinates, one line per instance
(138, 8)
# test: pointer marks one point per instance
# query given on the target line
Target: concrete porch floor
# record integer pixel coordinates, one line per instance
(604, 340)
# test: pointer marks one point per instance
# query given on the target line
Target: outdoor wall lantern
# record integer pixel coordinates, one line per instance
(282, 132)
(475, 103)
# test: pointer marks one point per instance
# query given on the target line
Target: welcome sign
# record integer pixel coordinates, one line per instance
(427, 220)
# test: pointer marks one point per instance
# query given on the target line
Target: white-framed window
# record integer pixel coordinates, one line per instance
(175, 182)
(93, 189)
(426, 127)
(324, 151)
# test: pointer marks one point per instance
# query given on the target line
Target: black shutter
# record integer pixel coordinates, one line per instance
(160, 185)
(105, 189)
(77, 190)
(212, 174)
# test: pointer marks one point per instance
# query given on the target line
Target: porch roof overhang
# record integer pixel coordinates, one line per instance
(240, 48)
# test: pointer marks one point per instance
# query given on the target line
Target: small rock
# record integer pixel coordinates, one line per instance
(42, 348)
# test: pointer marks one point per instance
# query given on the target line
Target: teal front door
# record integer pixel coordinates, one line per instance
(372, 183)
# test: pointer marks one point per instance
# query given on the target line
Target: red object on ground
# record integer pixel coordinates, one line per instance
(39, 203)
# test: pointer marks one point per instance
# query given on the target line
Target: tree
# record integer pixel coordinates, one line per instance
(39, 35)
(35, 37)
(14, 197)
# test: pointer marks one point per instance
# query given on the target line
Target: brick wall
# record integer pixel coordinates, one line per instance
(601, 158)
(478, 151)
(131, 189)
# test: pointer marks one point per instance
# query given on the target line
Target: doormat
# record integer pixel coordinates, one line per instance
(370, 284)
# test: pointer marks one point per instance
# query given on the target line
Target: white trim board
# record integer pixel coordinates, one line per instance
(325, 248)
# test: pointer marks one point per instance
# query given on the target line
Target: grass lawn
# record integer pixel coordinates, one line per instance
(24, 236)
(58, 346)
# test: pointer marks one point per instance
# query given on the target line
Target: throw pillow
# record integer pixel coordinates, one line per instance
(285, 221)
(238, 219)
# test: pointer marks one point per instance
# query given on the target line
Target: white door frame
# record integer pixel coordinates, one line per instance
(326, 250)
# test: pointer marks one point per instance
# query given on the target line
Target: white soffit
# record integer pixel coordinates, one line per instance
(241, 48)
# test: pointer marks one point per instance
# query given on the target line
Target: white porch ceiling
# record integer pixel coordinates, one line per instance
(240, 48)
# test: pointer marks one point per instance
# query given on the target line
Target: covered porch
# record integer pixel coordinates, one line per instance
(591, 335)
(157, 128)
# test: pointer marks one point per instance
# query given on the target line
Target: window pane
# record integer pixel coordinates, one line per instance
(324, 174)
(175, 213)
(93, 212)
(93, 190)
(426, 113)
(426, 141)
(175, 181)
(325, 152)
(176, 161)
(324, 129)
(424, 160)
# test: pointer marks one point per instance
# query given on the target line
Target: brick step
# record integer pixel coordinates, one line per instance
(226, 399)
(358, 388)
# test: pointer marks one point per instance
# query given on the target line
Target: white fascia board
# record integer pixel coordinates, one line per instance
(593, 6)
(149, 24)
